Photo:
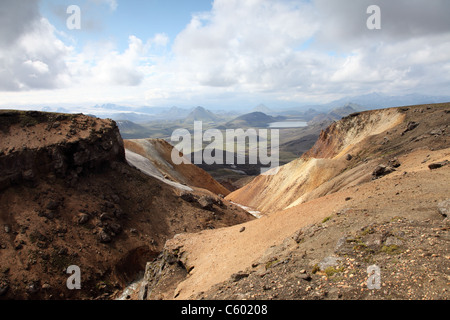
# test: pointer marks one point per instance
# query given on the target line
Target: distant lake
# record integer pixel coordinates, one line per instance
(288, 124)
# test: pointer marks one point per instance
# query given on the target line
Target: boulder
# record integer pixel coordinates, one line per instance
(343, 246)
(330, 261)
(239, 276)
(382, 170)
(188, 197)
(83, 219)
(206, 202)
(394, 163)
(410, 126)
(444, 208)
(438, 165)
(104, 237)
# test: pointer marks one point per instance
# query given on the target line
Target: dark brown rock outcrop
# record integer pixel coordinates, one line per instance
(77, 144)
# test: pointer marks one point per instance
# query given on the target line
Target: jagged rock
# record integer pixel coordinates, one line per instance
(437, 132)
(304, 276)
(390, 241)
(63, 251)
(239, 276)
(62, 156)
(206, 202)
(7, 228)
(444, 208)
(381, 171)
(53, 205)
(83, 218)
(104, 237)
(330, 261)
(394, 163)
(118, 213)
(298, 236)
(56, 125)
(447, 222)
(106, 216)
(187, 196)
(116, 228)
(46, 286)
(411, 126)
(374, 241)
(143, 291)
(33, 288)
(115, 198)
(343, 246)
(438, 165)
(4, 289)
(28, 175)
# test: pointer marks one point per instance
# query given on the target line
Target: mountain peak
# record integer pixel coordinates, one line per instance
(201, 114)
(262, 108)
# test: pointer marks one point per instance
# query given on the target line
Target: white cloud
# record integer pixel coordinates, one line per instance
(160, 40)
(243, 42)
(253, 50)
(121, 69)
(257, 47)
(35, 60)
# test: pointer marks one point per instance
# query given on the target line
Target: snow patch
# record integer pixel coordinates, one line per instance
(147, 167)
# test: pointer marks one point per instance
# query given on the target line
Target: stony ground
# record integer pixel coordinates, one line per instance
(413, 257)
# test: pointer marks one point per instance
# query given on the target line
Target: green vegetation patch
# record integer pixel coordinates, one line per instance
(331, 271)
(326, 219)
(392, 249)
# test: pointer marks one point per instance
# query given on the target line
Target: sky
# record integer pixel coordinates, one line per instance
(221, 53)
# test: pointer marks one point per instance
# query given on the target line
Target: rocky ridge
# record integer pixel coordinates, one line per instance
(68, 197)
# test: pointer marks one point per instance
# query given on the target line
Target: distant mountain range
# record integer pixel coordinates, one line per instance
(379, 101)
(146, 114)
(254, 119)
(131, 130)
(336, 114)
(262, 108)
(201, 114)
(366, 102)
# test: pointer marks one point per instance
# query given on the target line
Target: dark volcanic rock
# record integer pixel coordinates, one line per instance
(382, 170)
(411, 126)
(438, 165)
(61, 157)
(104, 237)
(206, 202)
